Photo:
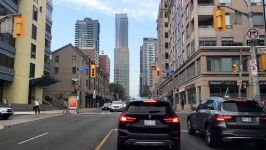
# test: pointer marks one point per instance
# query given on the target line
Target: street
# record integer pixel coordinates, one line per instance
(85, 131)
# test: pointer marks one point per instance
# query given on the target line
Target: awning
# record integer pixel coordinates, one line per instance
(43, 81)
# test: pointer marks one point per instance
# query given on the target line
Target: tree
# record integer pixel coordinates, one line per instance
(117, 90)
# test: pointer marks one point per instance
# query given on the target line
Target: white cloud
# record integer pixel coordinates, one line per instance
(134, 8)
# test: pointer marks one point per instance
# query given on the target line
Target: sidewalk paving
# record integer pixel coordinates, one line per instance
(27, 116)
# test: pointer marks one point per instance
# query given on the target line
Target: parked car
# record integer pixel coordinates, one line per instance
(148, 122)
(117, 106)
(228, 120)
(5, 111)
(106, 106)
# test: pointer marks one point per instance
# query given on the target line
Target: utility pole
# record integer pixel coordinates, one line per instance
(253, 76)
(254, 79)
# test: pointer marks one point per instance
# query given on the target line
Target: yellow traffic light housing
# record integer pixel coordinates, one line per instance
(219, 24)
(235, 68)
(18, 26)
(262, 60)
(92, 70)
(158, 71)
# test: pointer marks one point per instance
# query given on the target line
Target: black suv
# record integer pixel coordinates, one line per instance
(227, 120)
(148, 123)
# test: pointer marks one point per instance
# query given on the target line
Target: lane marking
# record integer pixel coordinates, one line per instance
(100, 145)
(32, 138)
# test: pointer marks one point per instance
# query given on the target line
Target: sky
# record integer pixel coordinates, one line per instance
(142, 17)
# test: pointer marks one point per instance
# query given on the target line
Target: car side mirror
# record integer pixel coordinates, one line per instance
(194, 108)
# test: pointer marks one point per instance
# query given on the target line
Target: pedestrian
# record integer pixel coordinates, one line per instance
(182, 104)
(65, 109)
(37, 106)
(264, 106)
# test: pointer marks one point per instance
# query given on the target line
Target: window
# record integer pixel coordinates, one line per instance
(74, 70)
(187, 11)
(166, 45)
(56, 59)
(33, 51)
(32, 70)
(193, 47)
(224, 64)
(228, 21)
(34, 32)
(227, 41)
(35, 13)
(6, 61)
(166, 24)
(207, 41)
(258, 20)
(225, 2)
(56, 70)
(238, 19)
(74, 59)
(183, 38)
(166, 56)
(166, 34)
(256, 2)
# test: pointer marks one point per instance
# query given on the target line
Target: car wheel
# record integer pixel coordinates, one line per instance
(191, 131)
(120, 145)
(5, 118)
(111, 110)
(210, 137)
(260, 145)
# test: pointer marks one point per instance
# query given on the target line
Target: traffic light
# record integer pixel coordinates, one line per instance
(92, 70)
(158, 71)
(219, 20)
(262, 60)
(18, 26)
(235, 68)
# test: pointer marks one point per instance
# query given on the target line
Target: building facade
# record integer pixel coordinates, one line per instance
(87, 36)
(203, 58)
(104, 64)
(23, 64)
(121, 52)
(64, 65)
(147, 57)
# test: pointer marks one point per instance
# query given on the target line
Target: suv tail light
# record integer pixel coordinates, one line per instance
(172, 120)
(263, 117)
(149, 101)
(126, 119)
(222, 118)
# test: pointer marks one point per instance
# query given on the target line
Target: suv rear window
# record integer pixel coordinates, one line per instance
(143, 108)
(247, 106)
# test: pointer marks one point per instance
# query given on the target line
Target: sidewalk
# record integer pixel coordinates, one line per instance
(27, 116)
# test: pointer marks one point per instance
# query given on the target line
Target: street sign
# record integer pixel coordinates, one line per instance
(253, 42)
(168, 71)
(254, 70)
(82, 69)
(252, 62)
(252, 34)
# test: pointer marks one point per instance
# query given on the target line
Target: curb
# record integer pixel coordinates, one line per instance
(1, 127)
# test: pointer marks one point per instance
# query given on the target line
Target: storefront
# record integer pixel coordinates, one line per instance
(263, 90)
(226, 88)
(191, 94)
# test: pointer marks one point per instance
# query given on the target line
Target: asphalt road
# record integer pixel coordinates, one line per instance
(87, 131)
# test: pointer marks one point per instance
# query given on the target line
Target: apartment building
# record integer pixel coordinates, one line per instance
(204, 58)
(24, 60)
(64, 64)
(148, 52)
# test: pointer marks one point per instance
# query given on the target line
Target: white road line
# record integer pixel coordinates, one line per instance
(32, 138)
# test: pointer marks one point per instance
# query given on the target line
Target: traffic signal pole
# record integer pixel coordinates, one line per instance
(253, 78)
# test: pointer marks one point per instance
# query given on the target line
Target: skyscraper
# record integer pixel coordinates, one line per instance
(148, 52)
(87, 35)
(121, 54)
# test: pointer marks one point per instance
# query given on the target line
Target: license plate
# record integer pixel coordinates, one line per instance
(149, 122)
(246, 119)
